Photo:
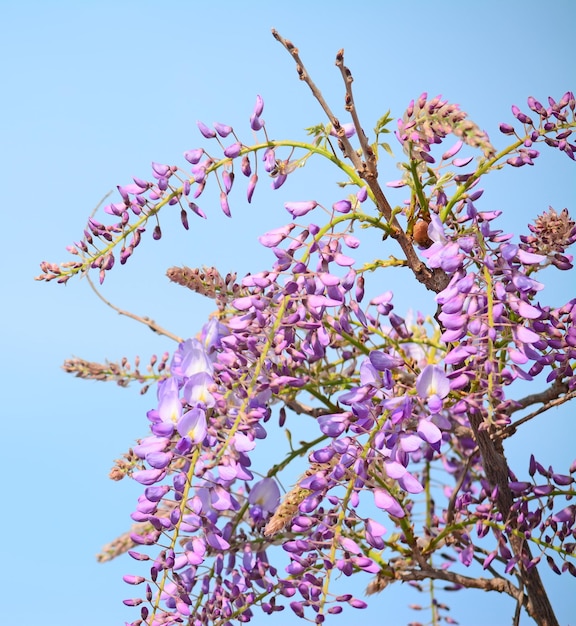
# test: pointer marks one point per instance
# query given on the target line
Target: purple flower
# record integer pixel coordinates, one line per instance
(342, 206)
(193, 425)
(349, 130)
(251, 187)
(433, 385)
(405, 479)
(233, 150)
(298, 209)
(452, 151)
(442, 253)
(149, 445)
(243, 443)
(258, 107)
(149, 477)
(274, 237)
(335, 424)
(197, 390)
(264, 498)
(383, 500)
(207, 132)
(194, 156)
(382, 361)
(222, 129)
(429, 432)
(169, 405)
(190, 358)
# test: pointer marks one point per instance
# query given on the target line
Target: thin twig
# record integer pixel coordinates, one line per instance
(299, 408)
(456, 490)
(100, 203)
(152, 325)
(434, 279)
(517, 613)
(344, 143)
(552, 392)
(350, 106)
(410, 574)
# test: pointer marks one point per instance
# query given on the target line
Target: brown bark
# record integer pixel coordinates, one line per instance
(496, 469)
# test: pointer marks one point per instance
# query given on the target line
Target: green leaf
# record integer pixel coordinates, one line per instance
(319, 130)
(387, 148)
(381, 124)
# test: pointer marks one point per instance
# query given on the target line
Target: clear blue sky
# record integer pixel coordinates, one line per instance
(95, 91)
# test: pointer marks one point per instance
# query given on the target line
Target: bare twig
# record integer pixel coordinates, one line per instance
(452, 502)
(406, 572)
(299, 408)
(100, 203)
(350, 106)
(152, 325)
(554, 391)
(434, 279)
(343, 141)
(550, 397)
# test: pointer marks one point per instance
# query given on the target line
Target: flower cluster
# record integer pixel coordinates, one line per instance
(427, 122)
(394, 397)
(172, 186)
(552, 120)
(550, 236)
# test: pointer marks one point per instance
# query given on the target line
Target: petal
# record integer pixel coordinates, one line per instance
(429, 431)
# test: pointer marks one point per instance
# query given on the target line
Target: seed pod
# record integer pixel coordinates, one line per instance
(420, 234)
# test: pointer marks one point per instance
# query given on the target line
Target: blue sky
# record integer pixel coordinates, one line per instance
(95, 91)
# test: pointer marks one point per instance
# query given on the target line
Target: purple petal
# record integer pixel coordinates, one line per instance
(298, 209)
(233, 150)
(342, 206)
(429, 431)
(452, 151)
(350, 545)
(217, 542)
(259, 106)
(207, 132)
(193, 425)
(525, 335)
(273, 237)
(343, 260)
(410, 484)
(383, 500)
(461, 162)
(222, 129)
(149, 477)
(382, 361)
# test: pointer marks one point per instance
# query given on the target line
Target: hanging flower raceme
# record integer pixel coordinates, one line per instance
(393, 397)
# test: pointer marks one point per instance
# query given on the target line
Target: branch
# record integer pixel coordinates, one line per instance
(406, 573)
(554, 391)
(152, 325)
(497, 472)
(549, 397)
(343, 141)
(434, 279)
(351, 108)
(452, 503)
(299, 408)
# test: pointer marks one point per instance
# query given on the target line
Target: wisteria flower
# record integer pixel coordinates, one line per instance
(433, 386)
(442, 253)
(197, 388)
(169, 405)
(264, 498)
(191, 358)
(193, 425)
